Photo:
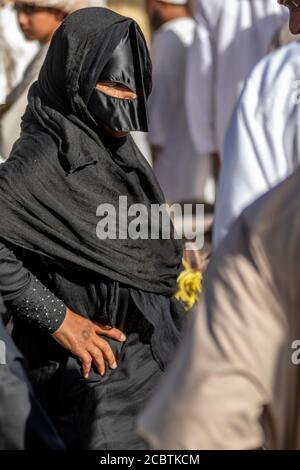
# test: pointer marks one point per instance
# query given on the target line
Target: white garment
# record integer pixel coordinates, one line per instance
(181, 171)
(10, 123)
(234, 36)
(235, 381)
(67, 6)
(175, 2)
(263, 141)
(141, 140)
(20, 50)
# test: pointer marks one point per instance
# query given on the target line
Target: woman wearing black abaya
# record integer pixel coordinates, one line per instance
(74, 154)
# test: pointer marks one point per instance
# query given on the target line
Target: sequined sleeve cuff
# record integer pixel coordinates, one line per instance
(40, 306)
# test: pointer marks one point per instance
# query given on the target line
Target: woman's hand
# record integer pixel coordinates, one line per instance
(81, 336)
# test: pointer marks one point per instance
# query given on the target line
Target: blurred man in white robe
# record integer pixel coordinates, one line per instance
(15, 51)
(234, 384)
(184, 174)
(263, 142)
(236, 35)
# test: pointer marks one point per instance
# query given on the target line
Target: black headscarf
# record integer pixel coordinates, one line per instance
(62, 168)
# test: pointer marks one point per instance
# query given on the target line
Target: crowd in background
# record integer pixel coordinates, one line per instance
(223, 132)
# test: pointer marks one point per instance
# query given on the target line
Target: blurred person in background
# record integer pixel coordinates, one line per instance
(234, 384)
(235, 35)
(15, 51)
(262, 146)
(184, 174)
(38, 20)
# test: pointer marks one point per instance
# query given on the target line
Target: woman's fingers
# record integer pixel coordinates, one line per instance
(106, 351)
(98, 359)
(100, 352)
(86, 361)
(97, 351)
(110, 332)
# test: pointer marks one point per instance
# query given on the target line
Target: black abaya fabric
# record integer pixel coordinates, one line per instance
(61, 169)
(101, 412)
(23, 424)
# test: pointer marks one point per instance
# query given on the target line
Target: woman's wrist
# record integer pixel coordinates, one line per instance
(40, 306)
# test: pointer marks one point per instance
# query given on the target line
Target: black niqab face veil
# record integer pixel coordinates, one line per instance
(63, 168)
(96, 44)
(124, 67)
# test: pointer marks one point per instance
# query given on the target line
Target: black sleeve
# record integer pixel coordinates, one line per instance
(25, 296)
